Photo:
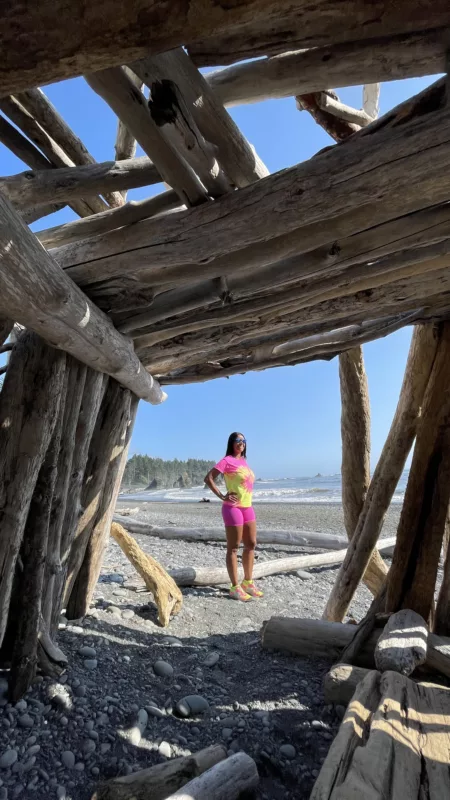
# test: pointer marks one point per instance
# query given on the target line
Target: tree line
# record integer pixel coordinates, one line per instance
(156, 473)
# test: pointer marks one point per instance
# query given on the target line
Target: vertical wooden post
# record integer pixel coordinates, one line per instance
(355, 433)
(412, 578)
(387, 473)
(29, 404)
(442, 616)
(83, 583)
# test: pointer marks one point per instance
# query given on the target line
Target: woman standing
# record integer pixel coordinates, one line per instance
(238, 514)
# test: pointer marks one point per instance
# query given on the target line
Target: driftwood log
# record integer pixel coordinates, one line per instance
(388, 471)
(412, 578)
(161, 780)
(227, 780)
(402, 645)
(378, 745)
(308, 637)
(168, 597)
(339, 684)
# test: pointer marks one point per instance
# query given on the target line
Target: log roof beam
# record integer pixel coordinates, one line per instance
(109, 33)
(37, 293)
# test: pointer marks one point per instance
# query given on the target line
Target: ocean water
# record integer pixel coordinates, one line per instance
(324, 489)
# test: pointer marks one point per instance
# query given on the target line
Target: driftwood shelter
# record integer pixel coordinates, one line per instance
(230, 269)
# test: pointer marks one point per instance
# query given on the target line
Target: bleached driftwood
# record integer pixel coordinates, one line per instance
(31, 284)
(339, 684)
(314, 637)
(395, 739)
(402, 645)
(227, 780)
(162, 779)
(168, 597)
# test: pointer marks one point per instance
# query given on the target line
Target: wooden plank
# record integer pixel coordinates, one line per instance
(118, 90)
(248, 232)
(316, 69)
(131, 212)
(394, 739)
(237, 157)
(40, 296)
(38, 187)
(44, 112)
(391, 463)
(107, 34)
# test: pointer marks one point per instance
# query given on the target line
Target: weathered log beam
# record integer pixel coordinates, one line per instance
(228, 780)
(234, 153)
(247, 232)
(131, 212)
(340, 683)
(166, 593)
(29, 404)
(126, 145)
(39, 187)
(391, 463)
(337, 127)
(121, 94)
(402, 645)
(39, 106)
(378, 747)
(320, 68)
(412, 578)
(55, 154)
(106, 36)
(162, 778)
(326, 640)
(40, 296)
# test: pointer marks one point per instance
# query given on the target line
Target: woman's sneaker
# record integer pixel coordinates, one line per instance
(238, 593)
(250, 588)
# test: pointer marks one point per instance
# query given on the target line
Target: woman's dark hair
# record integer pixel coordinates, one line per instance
(230, 445)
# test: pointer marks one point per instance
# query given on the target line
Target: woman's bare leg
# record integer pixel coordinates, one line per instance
(248, 558)
(234, 538)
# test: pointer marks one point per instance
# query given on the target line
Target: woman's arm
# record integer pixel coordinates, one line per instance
(210, 482)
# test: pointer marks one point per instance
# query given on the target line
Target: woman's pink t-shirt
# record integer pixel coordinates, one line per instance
(239, 479)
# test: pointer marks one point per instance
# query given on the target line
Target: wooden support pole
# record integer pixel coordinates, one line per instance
(88, 574)
(387, 473)
(29, 403)
(355, 469)
(168, 597)
(162, 779)
(442, 617)
(37, 293)
(338, 128)
(120, 93)
(412, 577)
(126, 144)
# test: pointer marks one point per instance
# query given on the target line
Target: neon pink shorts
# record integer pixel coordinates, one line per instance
(235, 515)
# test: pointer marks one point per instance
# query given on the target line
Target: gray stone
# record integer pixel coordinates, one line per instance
(288, 751)
(8, 758)
(128, 614)
(68, 759)
(89, 747)
(227, 733)
(61, 793)
(21, 706)
(25, 721)
(192, 705)
(305, 576)
(154, 712)
(34, 749)
(91, 664)
(165, 749)
(316, 723)
(105, 748)
(87, 652)
(114, 610)
(163, 669)
(79, 691)
(172, 641)
(211, 660)
(3, 793)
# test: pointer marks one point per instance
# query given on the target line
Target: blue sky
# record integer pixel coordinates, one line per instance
(290, 415)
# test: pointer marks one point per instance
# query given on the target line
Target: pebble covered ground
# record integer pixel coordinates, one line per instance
(121, 705)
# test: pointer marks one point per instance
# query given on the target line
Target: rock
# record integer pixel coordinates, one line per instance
(316, 723)
(89, 747)
(68, 759)
(61, 793)
(163, 669)
(165, 749)
(153, 711)
(172, 641)
(80, 691)
(34, 749)
(288, 751)
(3, 793)
(305, 576)
(191, 706)
(114, 610)
(25, 721)
(22, 705)
(227, 733)
(91, 664)
(211, 660)
(8, 758)
(134, 734)
(128, 614)
(87, 652)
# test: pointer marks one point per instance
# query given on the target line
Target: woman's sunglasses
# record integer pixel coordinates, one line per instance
(240, 441)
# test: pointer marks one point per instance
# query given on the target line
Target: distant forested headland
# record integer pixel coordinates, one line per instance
(155, 473)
